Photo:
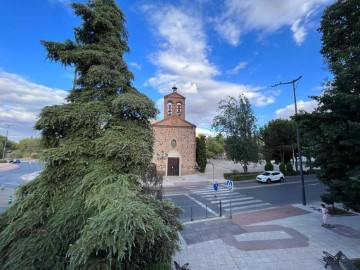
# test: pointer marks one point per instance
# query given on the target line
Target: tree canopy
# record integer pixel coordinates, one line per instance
(201, 158)
(279, 138)
(236, 120)
(333, 128)
(92, 206)
(215, 146)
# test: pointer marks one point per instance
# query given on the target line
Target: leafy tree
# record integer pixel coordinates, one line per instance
(30, 145)
(279, 138)
(201, 159)
(333, 128)
(237, 121)
(10, 145)
(215, 146)
(91, 207)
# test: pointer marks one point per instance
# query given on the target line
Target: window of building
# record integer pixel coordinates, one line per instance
(169, 108)
(178, 108)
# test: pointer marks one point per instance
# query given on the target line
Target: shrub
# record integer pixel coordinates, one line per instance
(3, 161)
(269, 166)
(282, 167)
(289, 167)
(241, 176)
(328, 199)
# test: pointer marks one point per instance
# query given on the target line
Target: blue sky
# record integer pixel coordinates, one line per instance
(209, 49)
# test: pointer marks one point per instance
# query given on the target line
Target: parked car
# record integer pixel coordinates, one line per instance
(270, 176)
(15, 160)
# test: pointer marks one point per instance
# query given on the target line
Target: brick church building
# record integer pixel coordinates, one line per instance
(175, 139)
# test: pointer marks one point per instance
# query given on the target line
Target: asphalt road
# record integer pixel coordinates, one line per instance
(15, 178)
(199, 202)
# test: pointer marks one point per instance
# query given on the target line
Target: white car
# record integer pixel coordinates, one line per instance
(270, 176)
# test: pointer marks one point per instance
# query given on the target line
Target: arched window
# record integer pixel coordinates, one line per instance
(178, 108)
(169, 105)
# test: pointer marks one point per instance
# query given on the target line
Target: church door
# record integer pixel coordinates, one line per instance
(173, 166)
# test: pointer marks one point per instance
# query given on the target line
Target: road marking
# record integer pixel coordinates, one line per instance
(241, 203)
(247, 207)
(202, 205)
(233, 200)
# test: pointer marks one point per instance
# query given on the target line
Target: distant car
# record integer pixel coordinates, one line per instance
(270, 176)
(15, 160)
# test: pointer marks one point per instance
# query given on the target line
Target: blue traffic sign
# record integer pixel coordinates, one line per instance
(229, 184)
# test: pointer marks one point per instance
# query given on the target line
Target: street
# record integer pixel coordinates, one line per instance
(199, 202)
(14, 178)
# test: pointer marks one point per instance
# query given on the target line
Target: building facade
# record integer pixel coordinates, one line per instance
(175, 139)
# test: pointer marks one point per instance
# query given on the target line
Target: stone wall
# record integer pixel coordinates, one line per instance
(185, 147)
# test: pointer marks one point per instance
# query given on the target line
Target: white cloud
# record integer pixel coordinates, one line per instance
(239, 17)
(21, 102)
(289, 110)
(135, 65)
(236, 69)
(182, 60)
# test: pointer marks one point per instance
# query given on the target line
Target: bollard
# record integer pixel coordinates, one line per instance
(191, 213)
(10, 200)
(2, 187)
(220, 209)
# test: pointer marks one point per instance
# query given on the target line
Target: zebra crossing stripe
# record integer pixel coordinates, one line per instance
(202, 205)
(247, 207)
(241, 203)
(233, 200)
(225, 196)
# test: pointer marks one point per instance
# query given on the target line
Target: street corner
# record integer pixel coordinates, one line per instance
(7, 167)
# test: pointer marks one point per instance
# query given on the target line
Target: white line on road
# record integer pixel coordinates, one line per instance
(241, 203)
(202, 205)
(247, 207)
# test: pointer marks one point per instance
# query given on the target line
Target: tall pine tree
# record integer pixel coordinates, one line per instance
(333, 128)
(90, 208)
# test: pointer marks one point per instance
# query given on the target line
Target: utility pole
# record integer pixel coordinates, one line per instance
(297, 138)
(4, 151)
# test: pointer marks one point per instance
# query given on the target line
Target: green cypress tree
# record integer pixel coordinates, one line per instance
(201, 152)
(91, 208)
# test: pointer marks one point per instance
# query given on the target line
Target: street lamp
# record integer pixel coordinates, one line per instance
(297, 138)
(4, 151)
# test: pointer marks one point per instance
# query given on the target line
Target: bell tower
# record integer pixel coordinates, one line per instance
(174, 105)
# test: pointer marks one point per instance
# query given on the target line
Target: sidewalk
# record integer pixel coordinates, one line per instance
(289, 237)
(281, 238)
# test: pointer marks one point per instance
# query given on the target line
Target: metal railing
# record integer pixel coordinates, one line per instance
(203, 211)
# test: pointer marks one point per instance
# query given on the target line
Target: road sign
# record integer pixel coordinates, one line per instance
(229, 184)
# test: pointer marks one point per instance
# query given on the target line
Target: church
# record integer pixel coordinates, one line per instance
(175, 139)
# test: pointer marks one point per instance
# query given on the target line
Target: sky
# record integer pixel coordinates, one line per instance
(208, 49)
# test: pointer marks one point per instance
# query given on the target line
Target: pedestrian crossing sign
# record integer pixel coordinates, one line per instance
(229, 184)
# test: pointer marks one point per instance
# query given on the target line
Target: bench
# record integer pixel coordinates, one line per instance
(338, 262)
(184, 267)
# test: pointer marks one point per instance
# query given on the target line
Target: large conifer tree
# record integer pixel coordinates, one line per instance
(333, 128)
(90, 208)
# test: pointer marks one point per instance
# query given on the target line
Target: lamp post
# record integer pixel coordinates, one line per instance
(4, 150)
(297, 138)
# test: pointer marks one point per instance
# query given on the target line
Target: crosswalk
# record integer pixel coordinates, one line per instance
(239, 202)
